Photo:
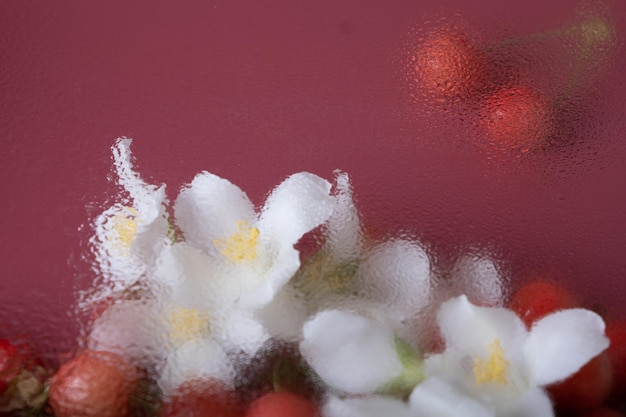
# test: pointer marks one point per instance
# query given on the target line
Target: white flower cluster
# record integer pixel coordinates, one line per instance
(189, 283)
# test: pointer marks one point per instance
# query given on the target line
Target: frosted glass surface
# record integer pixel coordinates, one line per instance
(254, 91)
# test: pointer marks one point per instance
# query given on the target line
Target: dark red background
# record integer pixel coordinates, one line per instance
(256, 90)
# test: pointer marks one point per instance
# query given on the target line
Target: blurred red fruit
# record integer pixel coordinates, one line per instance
(586, 389)
(202, 398)
(93, 384)
(539, 298)
(10, 364)
(603, 412)
(282, 404)
(448, 64)
(517, 117)
(616, 332)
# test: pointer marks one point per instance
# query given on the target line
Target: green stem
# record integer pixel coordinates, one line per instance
(533, 37)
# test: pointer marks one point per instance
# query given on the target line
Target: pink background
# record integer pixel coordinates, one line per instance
(256, 90)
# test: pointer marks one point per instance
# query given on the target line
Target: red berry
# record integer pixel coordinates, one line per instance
(282, 404)
(200, 398)
(93, 384)
(586, 389)
(616, 332)
(10, 364)
(539, 298)
(603, 412)
(517, 117)
(448, 64)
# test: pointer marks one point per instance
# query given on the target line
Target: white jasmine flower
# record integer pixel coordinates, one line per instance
(234, 262)
(491, 357)
(129, 236)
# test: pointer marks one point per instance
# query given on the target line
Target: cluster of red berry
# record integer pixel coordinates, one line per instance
(598, 389)
(447, 67)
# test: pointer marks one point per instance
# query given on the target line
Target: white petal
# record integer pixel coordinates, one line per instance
(372, 406)
(479, 279)
(209, 208)
(268, 283)
(349, 352)
(532, 403)
(141, 193)
(561, 343)
(202, 358)
(469, 328)
(396, 275)
(238, 329)
(344, 226)
(438, 397)
(298, 205)
(284, 316)
(133, 329)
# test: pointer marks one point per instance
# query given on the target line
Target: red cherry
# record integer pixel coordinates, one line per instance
(200, 398)
(586, 389)
(539, 298)
(93, 384)
(517, 117)
(603, 412)
(282, 404)
(616, 332)
(448, 64)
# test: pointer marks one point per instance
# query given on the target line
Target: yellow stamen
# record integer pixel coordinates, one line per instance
(493, 369)
(187, 324)
(125, 226)
(241, 246)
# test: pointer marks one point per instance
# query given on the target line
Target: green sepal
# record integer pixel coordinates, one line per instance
(412, 374)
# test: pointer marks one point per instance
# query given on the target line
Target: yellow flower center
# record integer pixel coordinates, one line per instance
(125, 227)
(493, 369)
(241, 246)
(188, 324)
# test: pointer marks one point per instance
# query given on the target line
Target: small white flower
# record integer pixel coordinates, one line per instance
(129, 236)
(491, 357)
(234, 262)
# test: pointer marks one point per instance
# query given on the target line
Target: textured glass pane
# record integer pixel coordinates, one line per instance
(478, 145)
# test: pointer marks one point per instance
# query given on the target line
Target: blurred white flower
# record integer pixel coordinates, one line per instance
(389, 281)
(491, 357)
(233, 262)
(129, 236)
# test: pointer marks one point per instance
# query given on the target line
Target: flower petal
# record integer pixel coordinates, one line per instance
(210, 208)
(372, 406)
(561, 343)
(344, 226)
(438, 397)
(133, 329)
(284, 316)
(298, 205)
(238, 329)
(349, 352)
(532, 403)
(395, 275)
(469, 328)
(480, 280)
(202, 358)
